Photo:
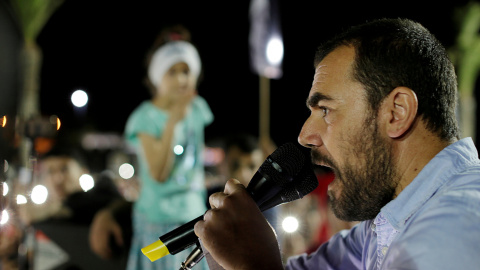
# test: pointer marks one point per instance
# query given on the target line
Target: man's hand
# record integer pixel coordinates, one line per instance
(102, 228)
(236, 233)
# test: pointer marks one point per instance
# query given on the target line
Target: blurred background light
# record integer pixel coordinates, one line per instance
(5, 189)
(5, 217)
(39, 194)
(79, 98)
(54, 120)
(21, 199)
(290, 224)
(178, 150)
(213, 156)
(275, 51)
(86, 182)
(101, 141)
(126, 171)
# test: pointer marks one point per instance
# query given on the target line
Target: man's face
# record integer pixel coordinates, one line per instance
(343, 134)
(61, 175)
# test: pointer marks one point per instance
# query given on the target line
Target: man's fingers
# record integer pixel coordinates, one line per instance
(232, 185)
(234, 218)
(199, 228)
(216, 199)
(207, 215)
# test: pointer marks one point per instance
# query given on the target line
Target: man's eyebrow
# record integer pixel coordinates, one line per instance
(313, 100)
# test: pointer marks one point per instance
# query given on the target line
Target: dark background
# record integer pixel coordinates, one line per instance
(99, 46)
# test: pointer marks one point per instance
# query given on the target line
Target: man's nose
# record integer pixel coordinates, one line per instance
(310, 134)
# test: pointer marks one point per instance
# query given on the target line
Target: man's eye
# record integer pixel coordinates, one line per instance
(324, 110)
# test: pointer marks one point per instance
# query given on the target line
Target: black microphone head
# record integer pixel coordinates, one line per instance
(289, 157)
(306, 182)
(283, 164)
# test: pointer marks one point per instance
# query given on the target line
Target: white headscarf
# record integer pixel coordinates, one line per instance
(168, 55)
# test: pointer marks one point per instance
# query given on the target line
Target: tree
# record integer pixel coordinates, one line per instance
(31, 15)
(466, 57)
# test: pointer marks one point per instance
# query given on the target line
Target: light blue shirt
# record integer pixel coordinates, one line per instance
(434, 223)
(182, 196)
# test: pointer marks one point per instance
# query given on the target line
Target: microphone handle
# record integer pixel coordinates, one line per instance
(260, 188)
(182, 237)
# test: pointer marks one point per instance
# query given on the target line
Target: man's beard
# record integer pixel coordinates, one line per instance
(363, 190)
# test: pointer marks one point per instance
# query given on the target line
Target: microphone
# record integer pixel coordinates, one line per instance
(294, 190)
(277, 171)
(283, 177)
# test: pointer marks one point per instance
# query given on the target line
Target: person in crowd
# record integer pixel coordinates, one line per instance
(60, 170)
(167, 132)
(382, 117)
(73, 198)
(244, 154)
(11, 235)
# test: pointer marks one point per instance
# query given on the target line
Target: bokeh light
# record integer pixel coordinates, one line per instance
(178, 150)
(5, 189)
(54, 120)
(86, 182)
(79, 98)
(290, 224)
(5, 217)
(21, 199)
(39, 194)
(126, 171)
(5, 166)
(275, 51)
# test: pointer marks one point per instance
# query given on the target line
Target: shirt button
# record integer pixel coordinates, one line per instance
(384, 250)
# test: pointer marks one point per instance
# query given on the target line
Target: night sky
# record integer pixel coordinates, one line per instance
(99, 46)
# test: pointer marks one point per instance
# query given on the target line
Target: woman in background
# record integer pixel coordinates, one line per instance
(168, 133)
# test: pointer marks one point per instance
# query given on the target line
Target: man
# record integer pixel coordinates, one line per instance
(60, 171)
(383, 118)
(63, 221)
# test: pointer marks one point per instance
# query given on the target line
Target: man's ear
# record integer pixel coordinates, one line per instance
(400, 108)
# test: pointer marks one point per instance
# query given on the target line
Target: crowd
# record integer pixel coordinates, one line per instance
(395, 178)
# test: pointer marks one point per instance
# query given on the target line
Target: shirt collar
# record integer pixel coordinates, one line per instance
(433, 176)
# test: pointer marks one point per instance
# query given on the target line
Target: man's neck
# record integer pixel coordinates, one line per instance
(414, 152)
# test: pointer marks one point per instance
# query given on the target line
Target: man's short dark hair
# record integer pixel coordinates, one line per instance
(390, 53)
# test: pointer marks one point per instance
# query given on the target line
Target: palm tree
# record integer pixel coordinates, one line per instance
(31, 15)
(466, 57)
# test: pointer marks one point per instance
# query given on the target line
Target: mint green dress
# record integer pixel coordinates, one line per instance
(161, 207)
